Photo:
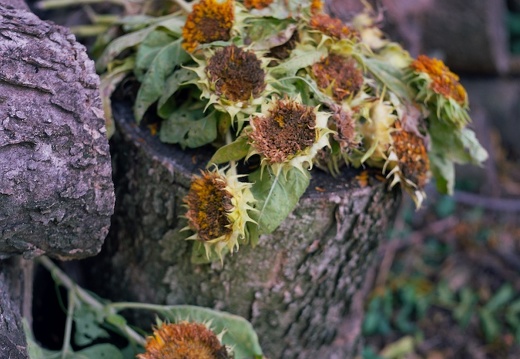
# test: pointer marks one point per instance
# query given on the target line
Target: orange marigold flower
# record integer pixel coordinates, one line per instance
(339, 74)
(331, 26)
(184, 340)
(257, 4)
(236, 74)
(209, 21)
(443, 81)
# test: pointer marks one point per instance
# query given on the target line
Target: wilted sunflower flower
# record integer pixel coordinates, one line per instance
(408, 163)
(439, 88)
(233, 79)
(257, 4)
(376, 124)
(344, 139)
(332, 27)
(288, 133)
(210, 20)
(184, 340)
(218, 205)
(338, 76)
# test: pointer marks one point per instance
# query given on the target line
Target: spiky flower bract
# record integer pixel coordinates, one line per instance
(376, 124)
(184, 340)
(288, 134)
(440, 89)
(210, 20)
(408, 163)
(218, 204)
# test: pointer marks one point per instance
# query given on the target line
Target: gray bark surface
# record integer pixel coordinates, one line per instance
(56, 191)
(15, 290)
(297, 286)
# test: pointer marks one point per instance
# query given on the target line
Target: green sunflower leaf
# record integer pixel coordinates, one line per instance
(177, 79)
(171, 23)
(238, 332)
(99, 351)
(189, 128)
(301, 57)
(199, 255)
(234, 151)
(458, 145)
(161, 67)
(87, 326)
(148, 50)
(444, 172)
(109, 82)
(389, 76)
(276, 196)
(266, 33)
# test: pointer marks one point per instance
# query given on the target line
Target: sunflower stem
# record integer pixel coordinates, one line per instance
(79, 293)
(68, 325)
(184, 5)
(233, 167)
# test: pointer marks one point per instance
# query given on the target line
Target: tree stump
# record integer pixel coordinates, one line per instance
(15, 301)
(296, 287)
(56, 191)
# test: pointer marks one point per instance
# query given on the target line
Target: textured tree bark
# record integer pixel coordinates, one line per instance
(56, 192)
(297, 286)
(15, 301)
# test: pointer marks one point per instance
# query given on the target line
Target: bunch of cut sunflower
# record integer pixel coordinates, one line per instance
(282, 84)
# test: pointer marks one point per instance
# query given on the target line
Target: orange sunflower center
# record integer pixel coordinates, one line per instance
(236, 74)
(444, 82)
(208, 204)
(209, 21)
(184, 340)
(412, 156)
(288, 129)
(340, 74)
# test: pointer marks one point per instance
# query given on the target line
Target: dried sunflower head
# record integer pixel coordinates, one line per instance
(439, 89)
(288, 134)
(235, 80)
(338, 76)
(210, 20)
(218, 204)
(408, 163)
(184, 340)
(376, 123)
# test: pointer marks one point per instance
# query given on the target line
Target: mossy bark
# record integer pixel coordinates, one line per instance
(296, 287)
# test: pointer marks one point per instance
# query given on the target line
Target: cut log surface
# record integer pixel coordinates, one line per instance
(297, 286)
(56, 191)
